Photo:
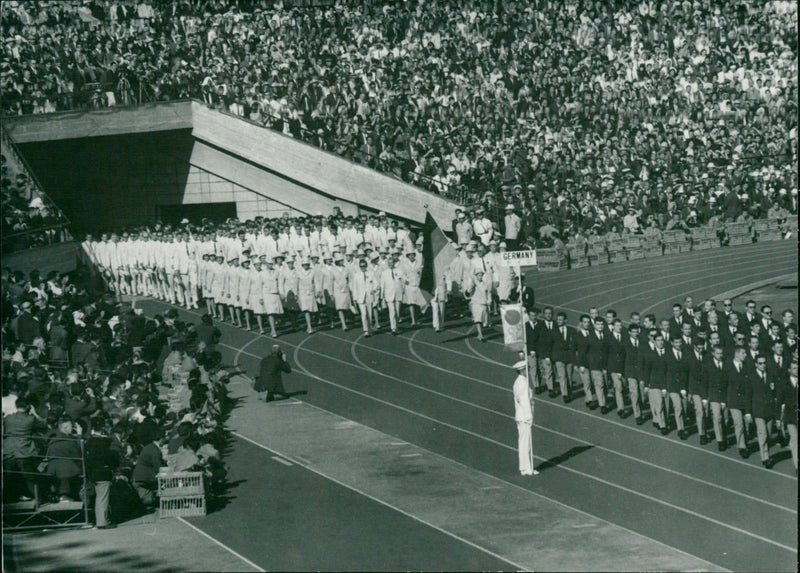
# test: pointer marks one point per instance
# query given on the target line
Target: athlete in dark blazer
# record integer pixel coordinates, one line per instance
(716, 376)
(677, 382)
(739, 397)
(633, 371)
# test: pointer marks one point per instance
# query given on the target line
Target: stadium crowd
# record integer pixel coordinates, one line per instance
(582, 115)
(29, 218)
(87, 380)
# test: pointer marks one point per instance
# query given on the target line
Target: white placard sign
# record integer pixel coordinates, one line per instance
(518, 258)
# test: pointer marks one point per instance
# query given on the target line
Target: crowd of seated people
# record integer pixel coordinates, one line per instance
(139, 395)
(29, 219)
(599, 110)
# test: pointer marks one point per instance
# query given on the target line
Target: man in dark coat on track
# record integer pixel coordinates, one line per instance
(269, 374)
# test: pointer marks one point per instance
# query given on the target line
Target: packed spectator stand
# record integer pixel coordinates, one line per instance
(29, 217)
(96, 399)
(587, 117)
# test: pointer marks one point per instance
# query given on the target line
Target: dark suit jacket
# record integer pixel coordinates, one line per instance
(597, 352)
(716, 380)
(774, 369)
(634, 360)
(787, 394)
(677, 371)
(740, 388)
(269, 374)
(543, 340)
(675, 328)
(564, 349)
(582, 348)
(765, 397)
(530, 337)
(697, 376)
(657, 370)
(616, 354)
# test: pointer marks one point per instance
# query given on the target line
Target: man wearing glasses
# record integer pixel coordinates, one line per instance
(750, 315)
(764, 407)
(727, 311)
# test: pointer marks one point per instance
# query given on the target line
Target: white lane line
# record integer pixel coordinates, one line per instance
(488, 487)
(699, 289)
(513, 485)
(652, 276)
(382, 502)
(569, 436)
(221, 544)
(557, 467)
(641, 266)
(698, 275)
(282, 461)
(361, 365)
(743, 289)
(243, 348)
(397, 443)
(480, 354)
(621, 425)
(606, 420)
(414, 455)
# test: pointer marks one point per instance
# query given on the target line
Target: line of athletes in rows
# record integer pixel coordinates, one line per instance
(723, 365)
(240, 283)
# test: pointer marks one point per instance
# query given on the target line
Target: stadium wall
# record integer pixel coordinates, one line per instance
(116, 167)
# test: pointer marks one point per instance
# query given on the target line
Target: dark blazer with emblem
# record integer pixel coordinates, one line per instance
(740, 388)
(716, 380)
(563, 349)
(634, 360)
(677, 371)
(616, 354)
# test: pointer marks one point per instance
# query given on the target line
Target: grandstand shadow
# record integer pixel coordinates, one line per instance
(561, 458)
(85, 555)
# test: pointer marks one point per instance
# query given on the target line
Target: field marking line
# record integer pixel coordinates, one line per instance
(381, 502)
(559, 466)
(221, 544)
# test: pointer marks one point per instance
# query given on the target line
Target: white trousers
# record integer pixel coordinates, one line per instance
(394, 311)
(525, 447)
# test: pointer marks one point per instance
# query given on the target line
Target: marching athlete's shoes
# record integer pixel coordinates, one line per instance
(721, 446)
(744, 453)
(605, 409)
(768, 463)
(683, 434)
(592, 405)
(703, 440)
(639, 421)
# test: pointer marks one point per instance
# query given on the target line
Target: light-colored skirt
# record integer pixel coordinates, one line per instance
(480, 313)
(272, 304)
(307, 302)
(413, 295)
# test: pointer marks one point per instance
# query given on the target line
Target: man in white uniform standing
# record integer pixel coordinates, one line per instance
(523, 414)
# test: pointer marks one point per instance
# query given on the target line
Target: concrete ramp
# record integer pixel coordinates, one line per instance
(138, 159)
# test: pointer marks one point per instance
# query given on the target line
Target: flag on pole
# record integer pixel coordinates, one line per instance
(513, 326)
(438, 253)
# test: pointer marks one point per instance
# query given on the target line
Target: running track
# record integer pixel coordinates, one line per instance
(450, 394)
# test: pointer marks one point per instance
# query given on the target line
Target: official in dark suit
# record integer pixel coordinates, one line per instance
(698, 388)
(740, 398)
(770, 338)
(716, 381)
(677, 382)
(543, 344)
(787, 399)
(270, 374)
(530, 347)
(563, 355)
(753, 352)
(616, 365)
(582, 338)
(764, 407)
(597, 359)
(634, 371)
(657, 382)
